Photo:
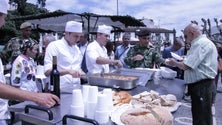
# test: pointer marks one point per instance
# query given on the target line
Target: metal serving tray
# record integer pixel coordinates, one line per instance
(144, 74)
(114, 82)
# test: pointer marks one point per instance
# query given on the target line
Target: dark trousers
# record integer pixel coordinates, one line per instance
(202, 94)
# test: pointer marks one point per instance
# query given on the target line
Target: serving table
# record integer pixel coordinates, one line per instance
(54, 116)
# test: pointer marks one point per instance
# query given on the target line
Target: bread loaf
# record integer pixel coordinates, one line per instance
(142, 116)
(121, 97)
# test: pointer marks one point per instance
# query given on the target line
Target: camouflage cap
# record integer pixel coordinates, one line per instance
(25, 25)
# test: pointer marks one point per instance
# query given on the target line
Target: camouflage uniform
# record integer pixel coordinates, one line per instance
(151, 57)
(12, 50)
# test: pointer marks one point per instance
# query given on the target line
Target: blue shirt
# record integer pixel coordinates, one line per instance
(167, 50)
(121, 52)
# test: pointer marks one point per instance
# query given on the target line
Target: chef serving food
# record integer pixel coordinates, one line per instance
(97, 60)
(69, 57)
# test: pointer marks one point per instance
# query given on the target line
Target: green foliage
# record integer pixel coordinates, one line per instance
(11, 27)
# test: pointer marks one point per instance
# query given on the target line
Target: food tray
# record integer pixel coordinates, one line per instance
(144, 74)
(113, 80)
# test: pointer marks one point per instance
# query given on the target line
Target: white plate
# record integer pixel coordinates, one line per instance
(116, 113)
(174, 55)
(174, 108)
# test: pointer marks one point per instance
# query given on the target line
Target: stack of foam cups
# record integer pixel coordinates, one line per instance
(91, 102)
(157, 76)
(102, 112)
(77, 106)
(109, 94)
(85, 91)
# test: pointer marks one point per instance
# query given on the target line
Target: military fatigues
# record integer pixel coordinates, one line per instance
(12, 50)
(151, 57)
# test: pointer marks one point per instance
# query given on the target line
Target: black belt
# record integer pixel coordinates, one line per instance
(198, 82)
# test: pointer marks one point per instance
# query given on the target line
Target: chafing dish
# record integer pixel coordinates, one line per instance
(145, 74)
(113, 80)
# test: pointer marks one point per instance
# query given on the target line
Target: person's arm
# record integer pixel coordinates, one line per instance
(74, 73)
(172, 62)
(101, 60)
(44, 99)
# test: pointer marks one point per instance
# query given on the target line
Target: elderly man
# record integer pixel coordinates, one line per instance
(69, 57)
(142, 54)
(200, 65)
(97, 60)
(44, 99)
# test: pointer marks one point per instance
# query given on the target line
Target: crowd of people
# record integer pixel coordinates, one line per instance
(8, 92)
(78, 56)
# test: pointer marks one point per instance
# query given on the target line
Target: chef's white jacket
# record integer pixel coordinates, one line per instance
(68, 57)
(93, 51)
(4, 114)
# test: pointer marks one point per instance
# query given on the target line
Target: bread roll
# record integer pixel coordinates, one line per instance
(121, 97)
(141, 116)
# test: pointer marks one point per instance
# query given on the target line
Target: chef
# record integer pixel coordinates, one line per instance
(97, 60)
(69, 57)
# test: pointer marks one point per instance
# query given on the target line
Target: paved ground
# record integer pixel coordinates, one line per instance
(183, 115)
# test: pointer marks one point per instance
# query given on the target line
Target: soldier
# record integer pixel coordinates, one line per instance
(8, 92)
(11, 49)
(142, 54)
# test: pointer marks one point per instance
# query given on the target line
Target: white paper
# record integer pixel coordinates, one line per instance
(174, 55)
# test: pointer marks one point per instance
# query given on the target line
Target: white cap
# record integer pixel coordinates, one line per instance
(104, 29)
(3, 6)
(73, 26)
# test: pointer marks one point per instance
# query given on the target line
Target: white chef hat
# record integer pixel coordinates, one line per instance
(104, 29)
(3, 6)
(73, 26)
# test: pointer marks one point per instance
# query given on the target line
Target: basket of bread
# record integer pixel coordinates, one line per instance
(146, 108)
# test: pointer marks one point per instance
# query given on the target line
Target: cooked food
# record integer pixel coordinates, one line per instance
(119, 77)
(168, 100)
(149, 116)
(152, 98)
(121, 97)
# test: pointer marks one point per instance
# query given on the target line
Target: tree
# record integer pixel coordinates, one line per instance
(11, 28)
(20, 5)
(41, 3)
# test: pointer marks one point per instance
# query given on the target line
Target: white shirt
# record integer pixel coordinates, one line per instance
(68, 57)
(93, 51)
(4, 114)
(83, 48)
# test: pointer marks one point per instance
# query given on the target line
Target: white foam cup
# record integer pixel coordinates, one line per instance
(91, 106)
(92, 94)
(102, 103)
(109, 93)
(77, 99)
(102, 117)
(85, 91)
(77, 110)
